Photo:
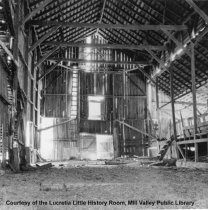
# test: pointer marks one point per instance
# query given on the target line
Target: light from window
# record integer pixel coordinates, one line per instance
(94, 107)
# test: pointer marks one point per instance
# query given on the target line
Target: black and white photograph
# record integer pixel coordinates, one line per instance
(103, 104)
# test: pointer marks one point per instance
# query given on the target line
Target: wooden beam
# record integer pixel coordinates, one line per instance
(193, 79)
(189, 103)
(110, 26)
(201, 13)
(172, 37)
(9, 53)
(45, 57)
(155, 57)
(40, 7)
(146, 75)
(100, 61)
(101, 16)
(136, 84)
(8, 13)
(49, 70)
(4, 100)
(108, 46)
(173, 110)
(182, 103)
(43, 38)
(193, 141)
(58, 124)
(201, 35)
(158, 113)
(136, 129)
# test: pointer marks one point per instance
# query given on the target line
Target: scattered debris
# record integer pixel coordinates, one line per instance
(44, 166)
(2, 172)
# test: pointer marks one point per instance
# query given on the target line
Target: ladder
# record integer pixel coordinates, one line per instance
(165, 148)
(1, 142)
(74, 104)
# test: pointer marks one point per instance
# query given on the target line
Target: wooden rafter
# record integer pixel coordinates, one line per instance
(36, 10)
(135, 84)
(110, 26)
(146, 75)
(155, 57)
(43, 38)
(100, 61)
(172, 37)
(101, 16)
(198, 10)
(45, 57)
(109, 46)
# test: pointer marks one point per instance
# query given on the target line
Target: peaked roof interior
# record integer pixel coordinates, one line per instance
(141, 12)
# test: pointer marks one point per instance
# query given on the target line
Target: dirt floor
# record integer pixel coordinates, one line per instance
(94, 185)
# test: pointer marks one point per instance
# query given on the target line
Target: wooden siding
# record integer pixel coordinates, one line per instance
(60, 142)
(4, 115)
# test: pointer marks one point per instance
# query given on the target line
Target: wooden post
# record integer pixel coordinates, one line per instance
(115, 133)
(173, 110)
(66, 98)
(124, 109)
(158, 111)
(13, 159)
(193, 79)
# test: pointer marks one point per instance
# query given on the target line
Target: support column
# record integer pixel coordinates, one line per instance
(158, 113)
(193, 80)
(173, 111)
(115, 133)
(124, 109)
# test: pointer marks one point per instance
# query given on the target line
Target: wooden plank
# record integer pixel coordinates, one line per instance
(100, 61)
(110, 26)
(58, 124)
(136, 129)
(201, 13)
(40, 7)
(108, 46)
(45, 57)
(194, 141)
(193, 80)
(43, 38)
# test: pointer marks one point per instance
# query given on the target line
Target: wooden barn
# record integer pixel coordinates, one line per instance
(103, 80)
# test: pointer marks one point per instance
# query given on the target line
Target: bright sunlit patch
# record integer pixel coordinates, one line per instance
(46, 136)
(89, 40)
(179, 51)
(158, 70)
(94, 107)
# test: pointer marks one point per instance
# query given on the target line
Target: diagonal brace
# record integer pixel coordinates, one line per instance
(201, 13)
(43, 38)
(35, 11)
(46, 56)
(49, 70)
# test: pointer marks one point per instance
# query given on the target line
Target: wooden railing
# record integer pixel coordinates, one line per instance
(186, 129)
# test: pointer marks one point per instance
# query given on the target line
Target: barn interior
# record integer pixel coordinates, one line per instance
(103, 80)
